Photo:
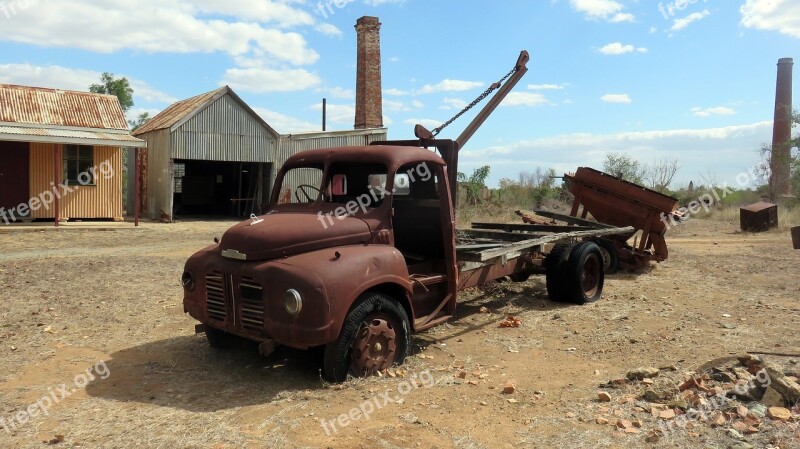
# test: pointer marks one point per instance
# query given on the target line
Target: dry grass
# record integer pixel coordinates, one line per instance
(788, 217)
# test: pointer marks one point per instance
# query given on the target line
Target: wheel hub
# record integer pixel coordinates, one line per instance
(590, 276)
(375, 347)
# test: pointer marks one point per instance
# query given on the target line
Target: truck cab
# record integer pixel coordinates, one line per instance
(355, 252)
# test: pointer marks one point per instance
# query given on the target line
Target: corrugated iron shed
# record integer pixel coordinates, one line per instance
(54, 107)
(179, 113)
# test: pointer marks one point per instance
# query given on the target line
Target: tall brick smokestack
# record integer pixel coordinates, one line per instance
(369, 95)
(780, 161)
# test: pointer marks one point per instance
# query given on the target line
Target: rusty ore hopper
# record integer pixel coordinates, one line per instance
(616, 202)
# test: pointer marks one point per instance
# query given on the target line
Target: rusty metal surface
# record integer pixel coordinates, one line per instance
(758, 217)
(177, 111)
(41, 106)
(796, 237)
(616, 202)
(69, 136)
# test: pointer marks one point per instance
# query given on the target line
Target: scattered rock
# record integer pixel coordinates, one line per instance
(742, 445)
(772, 398)
(718, 419)
(600, 420)
(510, 387)
(642, 373)
(511, 321)
(667, 414)
(603, 396)
(779, 413)
(652, 436)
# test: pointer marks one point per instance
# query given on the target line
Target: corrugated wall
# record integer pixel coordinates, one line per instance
(103, 200)
(159, 174)
(293, 144)
(223, 132)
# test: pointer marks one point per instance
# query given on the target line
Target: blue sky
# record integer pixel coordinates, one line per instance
(691, 80)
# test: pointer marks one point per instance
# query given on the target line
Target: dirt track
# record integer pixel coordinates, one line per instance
(73, 299)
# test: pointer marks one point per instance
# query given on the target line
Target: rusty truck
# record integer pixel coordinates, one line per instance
(365, 251)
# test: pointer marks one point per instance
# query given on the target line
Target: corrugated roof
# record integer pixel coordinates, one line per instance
(43, 134)
(178, 111)
(43, 106)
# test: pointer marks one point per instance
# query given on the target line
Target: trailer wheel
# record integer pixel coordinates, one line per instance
(217, 338)
(555, 265)
(375, 336)
(610, 255)
(584, 272)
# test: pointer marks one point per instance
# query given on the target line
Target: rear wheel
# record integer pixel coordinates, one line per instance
(555, 265)
(610, 255)
(584, 274)
(375, 336)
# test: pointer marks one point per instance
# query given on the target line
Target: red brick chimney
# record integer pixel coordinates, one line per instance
(369, 95)
(780, 184)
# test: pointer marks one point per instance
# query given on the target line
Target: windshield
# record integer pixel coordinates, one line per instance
(361, 185)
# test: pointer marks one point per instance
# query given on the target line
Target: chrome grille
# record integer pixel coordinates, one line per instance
(251, 304)
(215, 296)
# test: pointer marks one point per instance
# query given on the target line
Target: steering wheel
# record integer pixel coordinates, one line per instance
(301, 189)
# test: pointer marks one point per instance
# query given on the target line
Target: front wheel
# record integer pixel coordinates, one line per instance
(375, 336)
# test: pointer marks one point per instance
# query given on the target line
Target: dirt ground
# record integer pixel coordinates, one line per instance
(111, 302)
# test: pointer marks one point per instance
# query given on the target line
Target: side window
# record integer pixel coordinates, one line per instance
(417, 181)
(78, 164)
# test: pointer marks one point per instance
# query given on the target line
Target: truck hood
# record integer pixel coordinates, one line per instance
(287, 234)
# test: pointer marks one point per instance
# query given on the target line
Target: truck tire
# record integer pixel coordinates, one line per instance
(585, 275)
(375, 336)
(217, 338)
(610, 255)
(555, 279)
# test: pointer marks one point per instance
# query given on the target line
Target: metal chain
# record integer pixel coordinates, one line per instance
(480, 98)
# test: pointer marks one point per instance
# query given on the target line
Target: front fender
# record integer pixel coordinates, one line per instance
(349, 271)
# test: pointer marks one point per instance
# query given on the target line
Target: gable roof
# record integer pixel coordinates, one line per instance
(179, 113)
(55, 107)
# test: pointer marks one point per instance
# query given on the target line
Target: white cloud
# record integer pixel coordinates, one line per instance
(417, 104)
(328, 29)
(396, 92)
(782, 16)
(449, 85)
(340, 92)
(342, 114)
(609, 10)
(616, 98)
(397, 106)
(286, 124)
(453, 103)
(618, 48)
(428, 123)
(394, 59)
(547, 86)
(525, 99)
(708, 112)
(682, 23)
(726, 151)
(239, 27)
(263, 80)
(74, 79)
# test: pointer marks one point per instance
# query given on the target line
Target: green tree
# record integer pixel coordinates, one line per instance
(474, 184)
(141, 119)
(120, 87)
(625, 167)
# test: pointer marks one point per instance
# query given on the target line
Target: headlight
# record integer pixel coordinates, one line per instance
(188, 281)
(292, 302)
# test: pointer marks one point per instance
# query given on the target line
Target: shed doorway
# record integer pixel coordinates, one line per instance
(14, 177)
(219, 189)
